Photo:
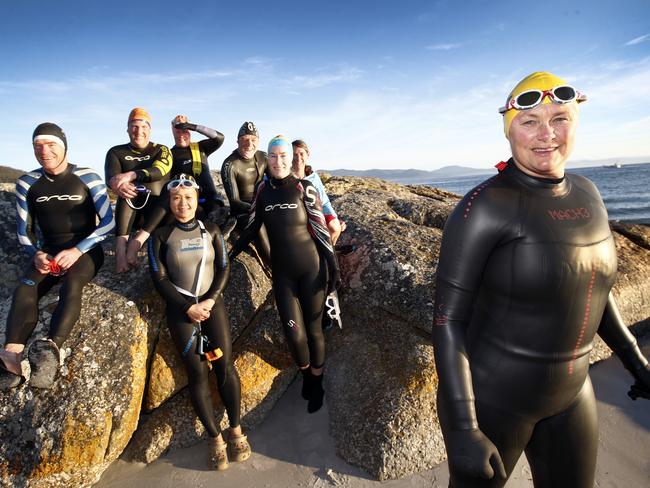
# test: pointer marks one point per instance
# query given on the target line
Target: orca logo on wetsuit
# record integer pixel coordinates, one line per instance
(281, 206)
(136, 158)
(45, 198)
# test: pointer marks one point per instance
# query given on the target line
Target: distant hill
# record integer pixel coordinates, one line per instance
(412, 175)
(418, 176)
(9, 175)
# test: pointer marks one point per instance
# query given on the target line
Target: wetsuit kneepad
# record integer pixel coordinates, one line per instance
(175, 261)
(524, 274)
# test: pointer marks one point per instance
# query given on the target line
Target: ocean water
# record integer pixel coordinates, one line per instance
(625, 190)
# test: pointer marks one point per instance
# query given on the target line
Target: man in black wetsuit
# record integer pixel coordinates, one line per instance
(523, 285)
(303, 262)
(241, 172)
(188, 158)
(65, 201)
(137, 173)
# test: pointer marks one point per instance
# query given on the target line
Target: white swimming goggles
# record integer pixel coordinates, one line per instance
(532, 98)
(182, 180)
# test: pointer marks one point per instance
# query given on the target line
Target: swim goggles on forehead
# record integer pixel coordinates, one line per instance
(184, 181)
(532, 98)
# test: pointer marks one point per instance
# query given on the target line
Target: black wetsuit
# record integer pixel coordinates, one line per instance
(240, 178)
(65, 207)
(152, 166)
(523, 284)
(191, 160)
(304, 265)
(175, 254)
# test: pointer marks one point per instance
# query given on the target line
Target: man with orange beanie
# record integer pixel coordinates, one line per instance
(137, 173)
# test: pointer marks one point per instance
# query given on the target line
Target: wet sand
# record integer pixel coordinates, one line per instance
(294, 449)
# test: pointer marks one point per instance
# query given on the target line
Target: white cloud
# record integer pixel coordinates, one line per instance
(638, 40)
(445, 47)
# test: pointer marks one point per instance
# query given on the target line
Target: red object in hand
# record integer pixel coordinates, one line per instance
(55, 269)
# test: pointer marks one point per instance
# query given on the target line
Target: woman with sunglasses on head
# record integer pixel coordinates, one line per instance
(523, 285)
(303, 262)
(189, 267)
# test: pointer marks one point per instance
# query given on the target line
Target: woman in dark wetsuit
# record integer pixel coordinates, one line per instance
(523, 285)
(189, 267)
(303, 262)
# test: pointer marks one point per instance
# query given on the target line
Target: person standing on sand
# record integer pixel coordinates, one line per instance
(190, 269)
(523, 285)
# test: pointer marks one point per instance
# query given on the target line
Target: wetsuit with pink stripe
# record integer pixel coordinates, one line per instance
(523, 285)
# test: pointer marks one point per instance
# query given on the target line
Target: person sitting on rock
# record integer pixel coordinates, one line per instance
(65, 201)
(137, 173)
(305, 269)
(241, 173)
(190, 158)
(190, 268)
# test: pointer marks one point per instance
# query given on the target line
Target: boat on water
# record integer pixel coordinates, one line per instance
(615, 165)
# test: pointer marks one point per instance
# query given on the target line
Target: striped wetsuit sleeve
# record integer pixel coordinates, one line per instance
(24, 214)
(325, 201)
(102, 203)
(159, 169)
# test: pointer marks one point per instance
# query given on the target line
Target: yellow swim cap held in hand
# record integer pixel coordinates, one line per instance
(539, 88)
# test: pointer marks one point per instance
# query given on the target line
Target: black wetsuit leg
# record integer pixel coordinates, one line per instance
(218, 332)
(23, 315)
(300, 301)
(563, 448)
(124, 217)
(260, 241)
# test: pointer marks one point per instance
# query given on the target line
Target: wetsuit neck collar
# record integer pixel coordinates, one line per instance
(137, 150)
(53, 177)
(283, 181)
(534, 181)
(189, 225)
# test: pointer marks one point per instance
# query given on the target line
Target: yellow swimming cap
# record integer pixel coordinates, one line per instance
(540, 80)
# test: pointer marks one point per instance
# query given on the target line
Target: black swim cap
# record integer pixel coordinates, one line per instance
(247, 129)
(47, 131)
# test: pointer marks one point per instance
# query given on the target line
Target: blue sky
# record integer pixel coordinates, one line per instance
(407, 84)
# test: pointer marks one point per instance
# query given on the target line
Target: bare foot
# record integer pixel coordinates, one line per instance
(121, 265)
(11, 362)
(132, 253)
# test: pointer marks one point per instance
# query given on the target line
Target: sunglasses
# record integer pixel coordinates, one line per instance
(182, 182)
(532, 98)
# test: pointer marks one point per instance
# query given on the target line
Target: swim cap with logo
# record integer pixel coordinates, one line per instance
(247, 129)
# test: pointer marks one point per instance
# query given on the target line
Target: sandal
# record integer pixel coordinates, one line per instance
(240, 449)
(9, 379)
(44, 361)
(217, 453)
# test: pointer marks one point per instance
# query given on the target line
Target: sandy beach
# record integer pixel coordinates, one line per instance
(293, 449)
